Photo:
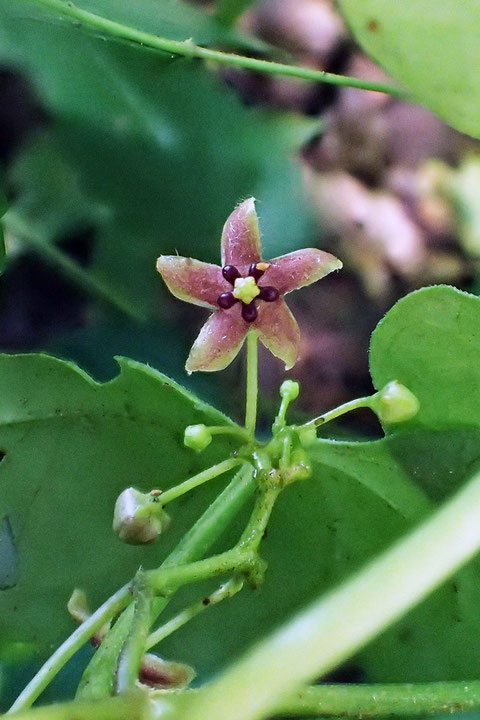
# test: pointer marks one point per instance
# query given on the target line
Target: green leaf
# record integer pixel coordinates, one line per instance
(430, 46)
(430, 342)
(157, 153)
(71, 446)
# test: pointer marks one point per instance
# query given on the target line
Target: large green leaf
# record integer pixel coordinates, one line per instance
(157, 152)
(430, 46)
(71, 446)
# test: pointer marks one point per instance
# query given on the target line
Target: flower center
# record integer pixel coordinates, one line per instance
(245, 290)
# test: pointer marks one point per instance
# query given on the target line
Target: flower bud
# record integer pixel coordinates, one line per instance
(307, 435)
(289, 390)
(164, 675)
(395, 403)
(300, 466)
(197, 437)
(77, 606)
(138, 518)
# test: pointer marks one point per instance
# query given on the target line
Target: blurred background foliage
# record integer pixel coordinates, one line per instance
(111, 155)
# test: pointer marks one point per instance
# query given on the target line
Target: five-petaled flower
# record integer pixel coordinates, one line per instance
(245, 293)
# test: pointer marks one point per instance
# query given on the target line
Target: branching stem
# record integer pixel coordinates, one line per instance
(97, 679)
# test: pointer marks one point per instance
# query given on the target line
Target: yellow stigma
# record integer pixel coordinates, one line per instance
(246, 289)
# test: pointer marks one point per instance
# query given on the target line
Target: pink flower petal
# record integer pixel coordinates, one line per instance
(241, 237)
(191, 280)
(219, 341)
(300, 268)
(278, 331)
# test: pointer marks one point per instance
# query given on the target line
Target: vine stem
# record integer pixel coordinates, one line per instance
(355, 702)
(379, 701)
(187, 48)
(339, 624)
(252, 384)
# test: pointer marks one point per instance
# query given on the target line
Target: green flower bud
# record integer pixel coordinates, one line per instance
(300, 466)
(289, 390)
(77, 606)
(138, 517)
(197, 437)
(395, 403)
(307, 435)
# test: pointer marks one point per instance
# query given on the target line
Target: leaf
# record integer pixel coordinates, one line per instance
(71, 446)
(161, 153)
(430, 46)
(430, 342)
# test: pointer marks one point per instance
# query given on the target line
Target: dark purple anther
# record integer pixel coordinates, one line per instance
(230, 273)
(255, 272)
(249, 312)
(269, 294)
(226, 300)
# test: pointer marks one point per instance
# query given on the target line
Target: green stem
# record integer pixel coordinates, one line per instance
(363, 402)
(379, 701)
(255, 529)
(227, 11)
(77, 639)
(252, 384)
(319, 638)
(226, 590)
(96, 681)
(240, 558)
(51, 254)
(226, 430)
(188, 48)
(196, 480)
(168, 580)
(133, 649)
(132, 707)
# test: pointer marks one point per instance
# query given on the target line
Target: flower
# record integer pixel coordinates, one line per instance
(245, 293)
